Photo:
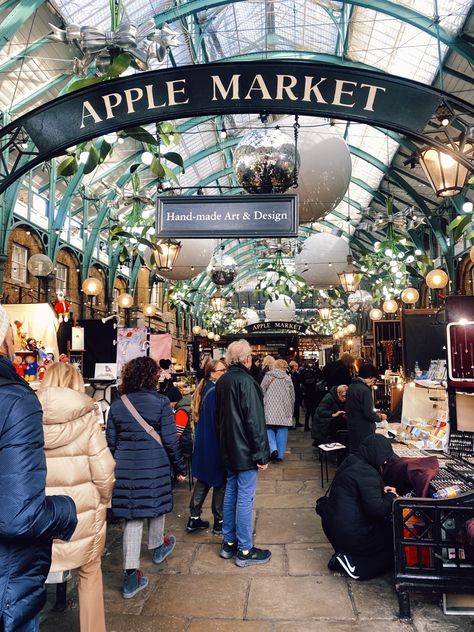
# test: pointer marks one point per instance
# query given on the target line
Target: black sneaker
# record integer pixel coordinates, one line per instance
(254, 556)
(348, 565)
(228, 550)
(196, 524)
(333, 564)
(217, 528)
(274, 455)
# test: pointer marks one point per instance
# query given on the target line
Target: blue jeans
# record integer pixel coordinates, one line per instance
(238, 505)
(277, 438)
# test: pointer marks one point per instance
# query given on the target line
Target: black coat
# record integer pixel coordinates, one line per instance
(361, 416)
(241, 420)
(353, 517)
(142, 467)
(295, 378)
(323, 418)
(29, 520)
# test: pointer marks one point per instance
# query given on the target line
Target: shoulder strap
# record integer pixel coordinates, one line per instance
(136, 415)
(206, 394)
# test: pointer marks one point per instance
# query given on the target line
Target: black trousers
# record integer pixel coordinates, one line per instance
(200, 492)
(309, 413)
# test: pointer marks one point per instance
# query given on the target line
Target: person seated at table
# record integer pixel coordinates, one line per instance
(330, 416)
(356, 514)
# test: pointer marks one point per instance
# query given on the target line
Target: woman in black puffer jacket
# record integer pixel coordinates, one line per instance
(143, 471)
(356, 516)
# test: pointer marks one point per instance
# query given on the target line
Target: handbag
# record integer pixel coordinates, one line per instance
(136, 415)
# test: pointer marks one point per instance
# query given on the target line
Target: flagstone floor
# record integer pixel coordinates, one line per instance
(196, 591)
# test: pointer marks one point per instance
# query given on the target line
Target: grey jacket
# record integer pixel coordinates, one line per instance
(278, 398)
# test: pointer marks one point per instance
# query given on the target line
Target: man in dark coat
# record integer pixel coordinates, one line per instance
(330, 415)
(295, 378)
(245, 450)
(360, 411)
(356, 515)
(312, 395)
(29, 520)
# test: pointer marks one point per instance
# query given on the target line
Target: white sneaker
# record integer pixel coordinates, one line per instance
(347, 565)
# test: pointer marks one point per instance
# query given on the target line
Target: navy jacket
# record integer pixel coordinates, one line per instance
(207, 460)
(29, 520)
(142, 467)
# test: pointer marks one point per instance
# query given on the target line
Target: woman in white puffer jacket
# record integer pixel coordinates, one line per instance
(80, 465)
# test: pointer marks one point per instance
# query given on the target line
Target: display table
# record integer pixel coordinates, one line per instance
(324, 449)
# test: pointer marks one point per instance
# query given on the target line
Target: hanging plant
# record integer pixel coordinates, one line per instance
(275, 279)
(179, 296)
(218, 321)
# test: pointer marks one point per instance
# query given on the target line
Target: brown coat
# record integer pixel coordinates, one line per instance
(79, 464)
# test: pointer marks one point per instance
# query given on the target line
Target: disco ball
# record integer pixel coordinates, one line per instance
(265, 161)
(222, 269)
(360, 301)
(40, 265)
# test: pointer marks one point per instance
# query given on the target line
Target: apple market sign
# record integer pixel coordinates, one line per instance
(281, 327)
(285, 87)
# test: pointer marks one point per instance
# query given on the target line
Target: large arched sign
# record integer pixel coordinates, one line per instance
(294, 87)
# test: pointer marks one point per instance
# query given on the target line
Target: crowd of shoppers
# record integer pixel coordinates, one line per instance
(58, 488)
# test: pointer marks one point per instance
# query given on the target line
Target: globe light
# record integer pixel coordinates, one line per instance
(437, 279)
(351, 328)
(376, 314)
(204, 333)
(92, 286)
(390, 306)
(110, 138)
(149, 310)
(467, 207)
(211, 335)
(40, 265)
(125, 301)
(147, 158)
(216, 337)
(196, 330)
(410, 295)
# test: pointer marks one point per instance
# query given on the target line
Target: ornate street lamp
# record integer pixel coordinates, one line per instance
(350, 277)
(166, 253)
(92, 287)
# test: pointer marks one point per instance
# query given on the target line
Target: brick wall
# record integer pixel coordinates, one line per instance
(14, 291)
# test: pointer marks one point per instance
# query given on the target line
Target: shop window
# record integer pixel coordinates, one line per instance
(19, 261)
(61, 277)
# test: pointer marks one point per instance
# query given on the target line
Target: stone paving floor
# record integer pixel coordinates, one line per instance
(196, 591)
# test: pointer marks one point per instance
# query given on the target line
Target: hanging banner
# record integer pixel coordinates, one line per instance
(281, 327)
(227, 216)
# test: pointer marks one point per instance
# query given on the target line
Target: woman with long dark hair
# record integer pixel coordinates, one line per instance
(143, 470)
(208, 468)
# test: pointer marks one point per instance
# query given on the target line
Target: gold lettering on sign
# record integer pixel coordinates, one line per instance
(310, 87)
(369, 105)
(109, 105)
(151, 99)
(224, 93)
(261, 86)
(339, 91)
(130, 101)
(173, 91)
(87, 106)
(281, 87)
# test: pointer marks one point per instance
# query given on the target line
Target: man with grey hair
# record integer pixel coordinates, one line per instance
(244, 449)
(29, 520)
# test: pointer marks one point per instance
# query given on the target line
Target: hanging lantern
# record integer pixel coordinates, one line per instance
(149, 310)
(350, 277)
(376, 314)
(351, 329)
(196, 330)
(410, 295)
(218, 302)
(166, 253)
(92, 286)
(390, 306)
(125, 301)
(437, 279)
(446, 175)
(240, 321)
(325, 311)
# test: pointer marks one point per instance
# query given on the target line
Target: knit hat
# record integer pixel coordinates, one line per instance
(173, 394)
(4, 323)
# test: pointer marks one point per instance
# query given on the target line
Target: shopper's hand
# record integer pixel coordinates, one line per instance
(383, 417)
(338, 413)
(180, 477)
(262, 467)
(390, 490)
